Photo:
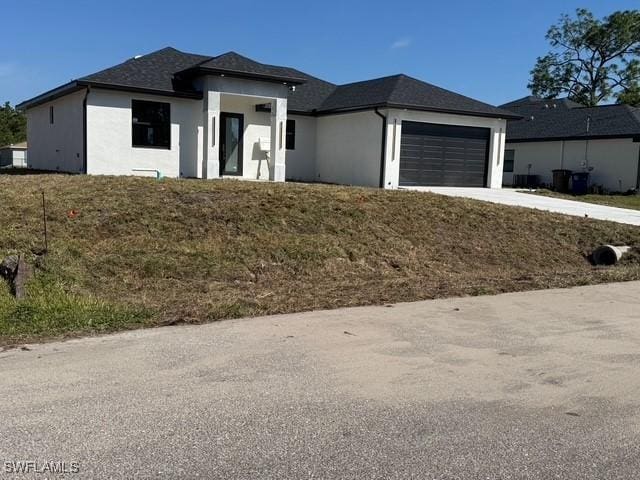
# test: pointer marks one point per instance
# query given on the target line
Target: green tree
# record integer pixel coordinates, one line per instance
(13, 125)
(591, 60)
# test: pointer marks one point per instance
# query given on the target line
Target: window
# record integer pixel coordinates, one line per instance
(51, 114)
(151, 124)
(291, 135)
(509, 157)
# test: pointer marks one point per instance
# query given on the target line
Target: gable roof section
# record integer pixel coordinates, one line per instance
(170, 72)
(541, 121)
(403, 91)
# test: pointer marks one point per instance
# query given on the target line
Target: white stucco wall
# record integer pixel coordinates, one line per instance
(109, 147)
(614, 162)
(301, 162)
(348, 145)
(57, 146)
(348, 149)
(394, 132)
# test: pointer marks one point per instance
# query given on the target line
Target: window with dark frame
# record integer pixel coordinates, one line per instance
(51, 114)
(290, 142)
(151, 124)
(509, 157)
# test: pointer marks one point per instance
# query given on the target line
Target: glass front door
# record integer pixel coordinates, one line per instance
(231, 129)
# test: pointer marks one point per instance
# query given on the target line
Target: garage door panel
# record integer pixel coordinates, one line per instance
(432, 154)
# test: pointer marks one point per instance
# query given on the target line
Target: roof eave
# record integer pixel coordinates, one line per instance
(468, 113)
(77, 85)
(634, 136)
(505, 116)
(49, 95)
(195, 95)
(247, 75)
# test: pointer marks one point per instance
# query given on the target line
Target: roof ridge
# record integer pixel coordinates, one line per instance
(371, 80)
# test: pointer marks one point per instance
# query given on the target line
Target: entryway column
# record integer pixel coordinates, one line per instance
(278, 139)
(211, 156)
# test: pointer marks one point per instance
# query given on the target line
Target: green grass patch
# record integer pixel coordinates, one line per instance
(49, 311)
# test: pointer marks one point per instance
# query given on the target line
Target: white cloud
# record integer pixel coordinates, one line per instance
(401, 43)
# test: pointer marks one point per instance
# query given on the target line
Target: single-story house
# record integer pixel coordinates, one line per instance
(562, 134)
(13, 155)
(176, 114)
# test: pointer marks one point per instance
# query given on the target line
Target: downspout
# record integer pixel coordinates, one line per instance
(84, 131)
(638, 177)
(383, 151)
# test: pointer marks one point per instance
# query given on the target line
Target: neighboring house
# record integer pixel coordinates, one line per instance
(14, 155)
(178, 114)
(561, 134)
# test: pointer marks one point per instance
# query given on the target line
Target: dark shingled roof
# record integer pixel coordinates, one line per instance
(171, 72)
(406, 92)
(559, 119)
(232, 62)
(154, 71)
(529, 100)
(309, 96)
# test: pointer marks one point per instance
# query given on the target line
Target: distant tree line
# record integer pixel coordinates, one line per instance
(13, 125)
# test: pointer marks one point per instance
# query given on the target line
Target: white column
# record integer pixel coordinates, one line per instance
(392, 154)
(496, 156)
(211, 137)
(278, 139)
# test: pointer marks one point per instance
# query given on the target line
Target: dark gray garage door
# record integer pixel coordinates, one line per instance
(443, 155)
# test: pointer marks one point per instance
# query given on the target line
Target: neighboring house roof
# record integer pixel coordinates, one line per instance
(563, 119)
(531, 100)
(170, 71)
(15, 146)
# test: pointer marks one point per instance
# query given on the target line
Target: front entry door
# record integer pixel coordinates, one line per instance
(231, 131)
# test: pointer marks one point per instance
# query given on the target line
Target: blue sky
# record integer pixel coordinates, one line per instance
(483, 49)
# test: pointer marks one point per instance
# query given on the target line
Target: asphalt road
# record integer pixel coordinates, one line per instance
(539, 385)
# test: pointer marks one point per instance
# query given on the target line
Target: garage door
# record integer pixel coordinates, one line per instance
(443, 155)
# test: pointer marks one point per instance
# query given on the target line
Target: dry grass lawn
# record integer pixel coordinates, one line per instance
(130, 252)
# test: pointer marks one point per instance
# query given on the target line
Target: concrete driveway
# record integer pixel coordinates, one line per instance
(535, 385)
(513, 197)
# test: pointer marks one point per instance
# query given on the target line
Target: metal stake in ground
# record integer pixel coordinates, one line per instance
(44, 222)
